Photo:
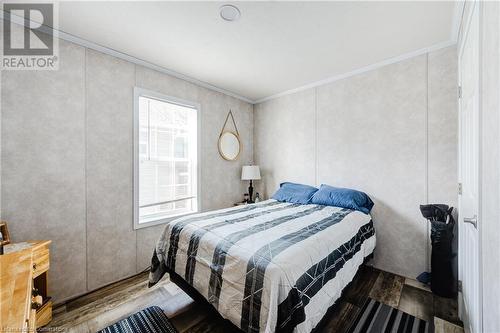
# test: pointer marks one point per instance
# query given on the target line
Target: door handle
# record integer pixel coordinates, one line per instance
(471, 220)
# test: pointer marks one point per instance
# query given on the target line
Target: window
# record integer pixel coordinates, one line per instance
(165, 158)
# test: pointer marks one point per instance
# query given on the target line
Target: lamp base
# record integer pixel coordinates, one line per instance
(250, 193)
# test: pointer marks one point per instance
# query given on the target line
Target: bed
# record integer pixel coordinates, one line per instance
(267, 267)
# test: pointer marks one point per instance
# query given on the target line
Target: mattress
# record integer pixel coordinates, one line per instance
(270, 266)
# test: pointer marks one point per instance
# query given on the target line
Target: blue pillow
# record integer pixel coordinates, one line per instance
(342, 197)
(295, 193)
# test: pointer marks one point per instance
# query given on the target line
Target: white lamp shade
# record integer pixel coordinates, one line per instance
(250, 172)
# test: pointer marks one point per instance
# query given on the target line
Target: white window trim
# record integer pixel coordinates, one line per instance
(174, 100)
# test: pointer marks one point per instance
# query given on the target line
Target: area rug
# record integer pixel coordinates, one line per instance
(149, 320)
(376, 317)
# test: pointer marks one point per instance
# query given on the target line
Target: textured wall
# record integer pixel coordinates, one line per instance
(391, 132)
(67, 162)
(43, 163)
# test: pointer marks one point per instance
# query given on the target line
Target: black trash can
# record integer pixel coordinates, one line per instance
(443, 281)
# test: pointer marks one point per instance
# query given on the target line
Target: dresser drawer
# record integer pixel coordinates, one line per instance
(41, 260)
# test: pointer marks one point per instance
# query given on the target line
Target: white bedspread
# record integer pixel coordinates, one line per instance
(271, 266)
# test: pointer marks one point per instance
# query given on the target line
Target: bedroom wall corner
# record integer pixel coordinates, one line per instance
(66, 162)
(284, 132)
(383, 132)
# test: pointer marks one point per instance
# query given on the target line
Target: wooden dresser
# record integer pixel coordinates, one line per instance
(24, 275)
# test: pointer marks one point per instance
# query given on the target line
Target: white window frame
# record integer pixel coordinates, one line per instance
(140, 92)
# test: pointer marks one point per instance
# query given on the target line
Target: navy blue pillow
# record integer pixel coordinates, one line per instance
(295, 193)
(342, 197)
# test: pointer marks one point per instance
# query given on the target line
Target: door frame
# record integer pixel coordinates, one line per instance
(462, 307)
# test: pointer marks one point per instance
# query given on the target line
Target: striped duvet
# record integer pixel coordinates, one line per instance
(267, 267)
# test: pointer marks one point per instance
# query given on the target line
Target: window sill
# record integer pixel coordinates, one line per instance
(160, 220)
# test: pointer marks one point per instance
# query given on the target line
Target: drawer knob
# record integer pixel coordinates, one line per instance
(34, 265)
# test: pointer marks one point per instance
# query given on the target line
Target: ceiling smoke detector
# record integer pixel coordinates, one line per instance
(230, 13)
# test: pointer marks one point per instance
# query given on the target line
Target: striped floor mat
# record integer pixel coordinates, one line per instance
(150, 320)
(376, 317)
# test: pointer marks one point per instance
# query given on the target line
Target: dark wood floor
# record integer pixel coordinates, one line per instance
(101, 308)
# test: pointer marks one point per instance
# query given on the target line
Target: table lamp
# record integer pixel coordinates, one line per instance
(250, 172)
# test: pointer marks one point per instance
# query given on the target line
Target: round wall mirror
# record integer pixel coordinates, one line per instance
(229, 145)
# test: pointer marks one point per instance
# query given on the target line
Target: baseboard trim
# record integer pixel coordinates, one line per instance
(65, 300)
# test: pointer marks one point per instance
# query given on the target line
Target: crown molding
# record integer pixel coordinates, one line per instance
(360, 70)
(456, 21)
(124, 56)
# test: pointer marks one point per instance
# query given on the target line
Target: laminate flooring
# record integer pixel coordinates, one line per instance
(101, 308)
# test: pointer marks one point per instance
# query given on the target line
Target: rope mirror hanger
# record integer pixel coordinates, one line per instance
(229, 143)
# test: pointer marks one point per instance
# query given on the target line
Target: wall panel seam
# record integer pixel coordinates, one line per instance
(427, 242)
(85, 125)
(316, 136)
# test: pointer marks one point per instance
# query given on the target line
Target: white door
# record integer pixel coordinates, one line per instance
(469, 223)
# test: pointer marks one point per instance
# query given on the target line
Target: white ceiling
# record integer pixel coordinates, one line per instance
(274, 47)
